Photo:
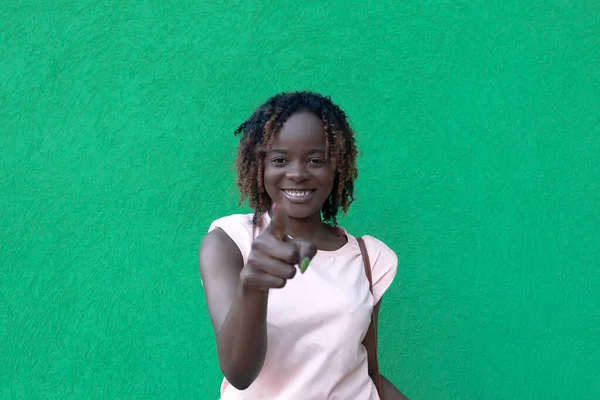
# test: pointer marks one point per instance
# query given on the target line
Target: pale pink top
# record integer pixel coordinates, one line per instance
(316, 323)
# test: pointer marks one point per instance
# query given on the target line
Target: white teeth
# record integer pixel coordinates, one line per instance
(298, 193)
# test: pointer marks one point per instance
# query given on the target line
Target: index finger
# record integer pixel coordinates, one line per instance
(307, 252)
(278, 225)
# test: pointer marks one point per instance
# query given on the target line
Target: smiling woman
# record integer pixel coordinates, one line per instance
(297, 174)
(296, 164)
(301, 117)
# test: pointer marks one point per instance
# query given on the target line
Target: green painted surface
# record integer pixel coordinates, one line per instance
(479, 124)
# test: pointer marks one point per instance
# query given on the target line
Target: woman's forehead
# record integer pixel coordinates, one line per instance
(301, 129)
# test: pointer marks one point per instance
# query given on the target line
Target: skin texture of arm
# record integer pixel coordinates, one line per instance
(238, 315)
(390, 392)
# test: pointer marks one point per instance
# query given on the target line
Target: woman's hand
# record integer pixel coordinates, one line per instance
(274, 256)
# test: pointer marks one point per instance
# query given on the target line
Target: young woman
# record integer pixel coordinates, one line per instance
(285, 286)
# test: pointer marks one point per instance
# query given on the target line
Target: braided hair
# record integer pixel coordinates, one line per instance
(258, 135)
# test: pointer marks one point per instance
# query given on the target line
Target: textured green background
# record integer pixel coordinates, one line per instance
(479, 123)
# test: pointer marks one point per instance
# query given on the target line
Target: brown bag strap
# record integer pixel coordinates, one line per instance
(370, 341)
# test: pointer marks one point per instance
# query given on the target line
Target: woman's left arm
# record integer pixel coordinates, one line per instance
(389, 391)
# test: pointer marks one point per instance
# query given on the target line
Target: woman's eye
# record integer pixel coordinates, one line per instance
(316, 161)
(278, 160)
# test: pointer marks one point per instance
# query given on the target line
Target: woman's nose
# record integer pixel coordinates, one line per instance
(297, 172)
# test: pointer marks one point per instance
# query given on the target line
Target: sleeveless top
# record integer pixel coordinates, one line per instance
(316, 323)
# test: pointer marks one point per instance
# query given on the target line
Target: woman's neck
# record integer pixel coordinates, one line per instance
(313, 229)
(306, 228)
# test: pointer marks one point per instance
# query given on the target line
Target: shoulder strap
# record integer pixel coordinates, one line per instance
(370, 341)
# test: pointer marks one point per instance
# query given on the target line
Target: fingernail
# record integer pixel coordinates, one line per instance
(304, 264)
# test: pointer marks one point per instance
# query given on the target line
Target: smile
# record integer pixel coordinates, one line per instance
(297, 196)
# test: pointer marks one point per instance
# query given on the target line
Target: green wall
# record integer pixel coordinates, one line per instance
(479, 126)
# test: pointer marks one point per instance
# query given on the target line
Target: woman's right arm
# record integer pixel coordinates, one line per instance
(237, 294)
(238, 314)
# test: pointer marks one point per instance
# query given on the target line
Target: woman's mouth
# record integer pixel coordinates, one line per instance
(297, 196)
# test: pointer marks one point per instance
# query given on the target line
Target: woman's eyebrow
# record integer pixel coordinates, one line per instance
(311, 151)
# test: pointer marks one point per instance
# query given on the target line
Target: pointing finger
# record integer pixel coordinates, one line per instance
(307, 252)
(278, 225)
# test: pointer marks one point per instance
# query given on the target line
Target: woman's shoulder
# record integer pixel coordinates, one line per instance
(373, 243)
(233, 221)
(376, 243)
(237, 228)
(379, 251)
(384, 264)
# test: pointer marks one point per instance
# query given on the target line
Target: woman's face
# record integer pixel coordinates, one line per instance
(297, 173)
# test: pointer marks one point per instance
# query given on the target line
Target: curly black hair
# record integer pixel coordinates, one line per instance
(258, 135)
